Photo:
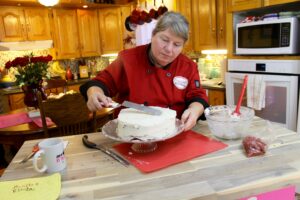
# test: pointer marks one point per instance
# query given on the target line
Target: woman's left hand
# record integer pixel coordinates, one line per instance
(191, 115)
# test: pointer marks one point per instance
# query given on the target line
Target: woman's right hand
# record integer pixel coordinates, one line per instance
(97, 99)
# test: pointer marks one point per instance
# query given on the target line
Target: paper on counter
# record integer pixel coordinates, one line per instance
(46, 188)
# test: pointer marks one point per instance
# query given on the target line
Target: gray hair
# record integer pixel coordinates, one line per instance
(176, 22)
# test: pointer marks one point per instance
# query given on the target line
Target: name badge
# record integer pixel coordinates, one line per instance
(180, 82)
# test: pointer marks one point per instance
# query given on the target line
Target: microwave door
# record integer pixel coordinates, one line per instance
(259, 36)
(281, 95)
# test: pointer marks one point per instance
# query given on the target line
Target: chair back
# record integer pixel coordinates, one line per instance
(69, 113)
(55, 86)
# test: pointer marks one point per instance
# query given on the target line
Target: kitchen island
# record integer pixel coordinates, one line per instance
(224, 174)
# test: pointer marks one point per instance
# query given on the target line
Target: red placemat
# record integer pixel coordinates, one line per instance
(39, 123)
(14, 119)
(184, 146)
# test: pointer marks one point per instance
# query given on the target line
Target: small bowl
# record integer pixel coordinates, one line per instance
(223, 124)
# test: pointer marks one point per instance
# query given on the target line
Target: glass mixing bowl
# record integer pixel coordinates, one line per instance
(223, 124)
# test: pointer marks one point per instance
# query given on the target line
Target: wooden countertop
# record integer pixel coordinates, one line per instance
(213, 84)
(16, 89)
(225, 174)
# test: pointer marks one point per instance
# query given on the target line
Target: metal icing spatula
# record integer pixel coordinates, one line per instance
(141, 107)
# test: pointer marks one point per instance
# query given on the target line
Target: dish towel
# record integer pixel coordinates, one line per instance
(143, 33)
(184, 146)
(256, 92)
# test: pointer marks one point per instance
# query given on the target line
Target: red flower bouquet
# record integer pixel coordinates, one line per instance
(29, 69)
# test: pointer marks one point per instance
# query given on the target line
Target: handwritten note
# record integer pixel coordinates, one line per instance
(46, 188)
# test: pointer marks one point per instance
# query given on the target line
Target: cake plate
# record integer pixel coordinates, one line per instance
(139, 145)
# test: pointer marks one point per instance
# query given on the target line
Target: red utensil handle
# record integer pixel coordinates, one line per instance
(237, 109)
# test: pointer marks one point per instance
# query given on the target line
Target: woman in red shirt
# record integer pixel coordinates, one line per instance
(156, 74)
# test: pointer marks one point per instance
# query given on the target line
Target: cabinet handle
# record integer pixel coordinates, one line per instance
(28, 28)
(221, 31)
(23, 28)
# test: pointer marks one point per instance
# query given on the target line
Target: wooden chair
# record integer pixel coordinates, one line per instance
(69, 113)
(55, 86)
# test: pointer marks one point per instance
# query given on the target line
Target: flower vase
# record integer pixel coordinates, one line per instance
(31, 94)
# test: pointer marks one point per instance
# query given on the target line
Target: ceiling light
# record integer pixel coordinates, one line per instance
(48, 2)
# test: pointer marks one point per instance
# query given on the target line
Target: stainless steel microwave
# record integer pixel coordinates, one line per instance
(271, 37)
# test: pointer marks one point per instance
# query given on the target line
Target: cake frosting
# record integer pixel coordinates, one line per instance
(137, 125)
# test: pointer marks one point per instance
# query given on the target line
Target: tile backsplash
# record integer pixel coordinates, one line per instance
(94, 64)
(10, 55)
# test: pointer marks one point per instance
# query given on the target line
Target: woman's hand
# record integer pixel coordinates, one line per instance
(97, 99)
(191, 115)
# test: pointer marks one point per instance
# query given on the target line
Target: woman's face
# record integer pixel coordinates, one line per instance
(166, 46)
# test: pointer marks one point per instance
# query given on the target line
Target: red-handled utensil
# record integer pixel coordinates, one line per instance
(238, 105)
(34, 150)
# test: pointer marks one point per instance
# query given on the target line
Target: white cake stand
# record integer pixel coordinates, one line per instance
(139, 145)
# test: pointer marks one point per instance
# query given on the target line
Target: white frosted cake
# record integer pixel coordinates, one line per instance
(137, 125)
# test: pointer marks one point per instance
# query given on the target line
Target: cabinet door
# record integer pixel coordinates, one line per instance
(88, 32)
(238, 5)
(184, 7)
(216, 97)
(12, 24)
(204, 24)
(16, 101)
(221, 23)
(110, 29)
(66, 33)
(276, 2)
(74, 87)
(126, 35)
(37, 24)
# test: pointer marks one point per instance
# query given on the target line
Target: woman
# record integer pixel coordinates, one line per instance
(156, 74)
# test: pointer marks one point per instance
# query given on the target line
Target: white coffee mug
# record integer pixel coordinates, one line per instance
(53, 157)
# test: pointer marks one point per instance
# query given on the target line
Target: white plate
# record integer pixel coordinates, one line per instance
(109, 130)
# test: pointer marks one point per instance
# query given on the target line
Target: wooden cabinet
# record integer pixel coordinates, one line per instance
(221, 24)
(71, 1)
(16, 101)
(204, 24)
(126, 35)
(20, 24)
(239, 5)
(88, 33)
(110, 30)
(216, 97)
(66, 33)
(73, 87)
(185, 8)
(76, 33)
(276, 2)
(208, 21)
